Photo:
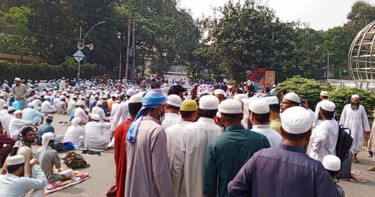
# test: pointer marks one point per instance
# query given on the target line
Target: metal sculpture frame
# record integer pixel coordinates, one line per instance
(361, 56)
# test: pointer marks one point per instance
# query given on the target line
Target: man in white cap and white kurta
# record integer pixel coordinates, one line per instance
(301, 175)
(172, 108)
(47, 107)
(16, 124)
(291, 99)
(190, 153)
(324, 137)
(354, 117)
(220, 94)
(323, 96)
(6, 119)
(98, 135)
(221, 164)
(14, 184)
(123, 112)
(19, 90)
(259, 117)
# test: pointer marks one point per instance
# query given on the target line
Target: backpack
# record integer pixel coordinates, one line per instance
(344, 143)
(74, 160)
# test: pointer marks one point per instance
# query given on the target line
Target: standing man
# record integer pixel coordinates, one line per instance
(259, 117)
(62, 84)
(14, 184)
(285, 170)
(123, 111)
(19, 91)
(323, 96)
(191, 147)
(172, 108)
(324, 138)
(275, 121)
(189, 114)
(222, 164)
(148, 172)
(135, 104)
(354, 117)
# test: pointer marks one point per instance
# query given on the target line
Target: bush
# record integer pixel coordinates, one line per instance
(342, 96)
(305, 88)
(39, 71)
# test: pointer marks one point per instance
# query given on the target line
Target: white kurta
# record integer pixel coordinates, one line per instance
(71, 105)
(115, 107)
(2, 103)
(5, 122)
(47, 107)
(15, 125)
(172, 134)
(121, 115)
(97, 135)
(11, 185)
(99, 111)
(170, 119)
(75, 134)
(323, 140)
(274, 138)
(37, 103)
(189, 158)
(357, 122)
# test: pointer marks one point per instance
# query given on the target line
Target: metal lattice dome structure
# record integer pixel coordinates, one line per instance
(361, 57)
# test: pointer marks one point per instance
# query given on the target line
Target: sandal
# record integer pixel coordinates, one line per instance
(355, 160)
(371, 169)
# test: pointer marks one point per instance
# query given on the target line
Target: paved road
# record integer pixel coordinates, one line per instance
(102, 171)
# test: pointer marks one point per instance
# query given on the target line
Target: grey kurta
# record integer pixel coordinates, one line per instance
(20, 91)
(50, 158)
(148, 172)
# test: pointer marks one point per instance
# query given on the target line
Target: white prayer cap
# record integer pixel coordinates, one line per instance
(271, 100)
(80, 103)
(99, 103)
(48, 136)
(10, 109)
(296, 120)
(328, 105)
(1, 94)
(47, 97)
(355, 96)
(15, 160)
(209, 102)
(76, 121)
(62, 97)
(332, 163)
(292, 97)
(259, 107)
(131, 92)
(30, 105)
(117, 101)
(219, 91)
(5, 106)
(230, 106)
(239, 97)
(323, 93)
(137, 98)
(218, 114)
(17, 112)
(74, 96)
(174, 100)
(165, 90)
(17, 79)
(95, 117)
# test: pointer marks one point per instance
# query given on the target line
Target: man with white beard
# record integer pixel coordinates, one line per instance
(354, 117)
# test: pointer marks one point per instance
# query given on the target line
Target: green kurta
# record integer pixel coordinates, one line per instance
(227, 154)
(275, 124)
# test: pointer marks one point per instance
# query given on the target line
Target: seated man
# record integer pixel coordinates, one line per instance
(32, 114)
(98, 135)
(47, 127)
(16, 124)
(100, 111)
(47, 107)
(14, 184)
(75, 133)
(48, 158)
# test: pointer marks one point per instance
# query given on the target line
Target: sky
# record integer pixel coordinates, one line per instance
(319, 14)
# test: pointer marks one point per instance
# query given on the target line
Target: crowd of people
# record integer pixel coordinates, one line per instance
(179, 140)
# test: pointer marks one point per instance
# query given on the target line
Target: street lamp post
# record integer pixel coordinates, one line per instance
(81, 44)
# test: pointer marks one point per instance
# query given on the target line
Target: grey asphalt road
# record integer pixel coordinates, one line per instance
(102, 171)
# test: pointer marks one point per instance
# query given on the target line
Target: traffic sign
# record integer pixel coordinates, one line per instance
(79, 56)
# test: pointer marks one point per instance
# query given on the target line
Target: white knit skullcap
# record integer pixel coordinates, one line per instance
(259, 107)
(230, 106)
(332, 163)
(174, 100)
(292, 97)
(15, 160)
(296, 120)
(209, 102)
(328, 105)
(219, 91)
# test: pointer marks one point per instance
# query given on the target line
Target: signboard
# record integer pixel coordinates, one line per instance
(79, 56)
(270, 77)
